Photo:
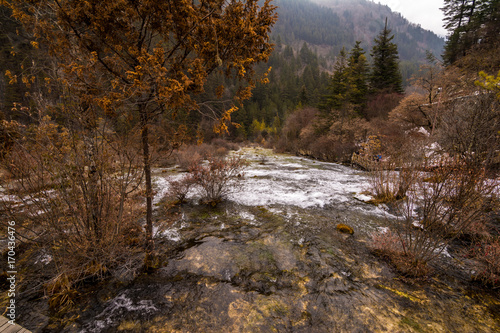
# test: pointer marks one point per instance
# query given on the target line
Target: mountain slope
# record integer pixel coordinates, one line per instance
(328, 25)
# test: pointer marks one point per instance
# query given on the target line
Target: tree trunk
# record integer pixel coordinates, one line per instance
(147, 174)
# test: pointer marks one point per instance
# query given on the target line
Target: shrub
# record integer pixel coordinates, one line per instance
(9, 133)
(180, 188)
(437, 213)
(221, 143)
(189, 155)
(381, 104)
(393, 247)
(76, 194)
(434, 213)
(217, 177)
(329, 148)
(193, 154)
(387, 184)
(488, 257)
(295, 123)
(386, 242)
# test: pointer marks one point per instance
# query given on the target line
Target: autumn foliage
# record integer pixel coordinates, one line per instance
(149, 58)
(81, 206)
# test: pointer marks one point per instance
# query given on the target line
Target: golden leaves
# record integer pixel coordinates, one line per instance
(94, 57)
(219, 91)
(264, 78)
(12, 78)
(244, 93)
(221, 126)
(124, 53)
(489, 82)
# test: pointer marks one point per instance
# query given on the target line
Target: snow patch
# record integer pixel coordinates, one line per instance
(417, 224)
(363, 197)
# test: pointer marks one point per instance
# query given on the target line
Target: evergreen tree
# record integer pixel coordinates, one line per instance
(455, 13)
(348, 85)
(473, 26)
(458, 19)
(385, 75)
(357, 73)
(339, 86)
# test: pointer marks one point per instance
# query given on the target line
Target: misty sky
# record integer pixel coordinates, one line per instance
(423, 12)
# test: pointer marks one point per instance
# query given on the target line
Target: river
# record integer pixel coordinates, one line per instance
(269, 259)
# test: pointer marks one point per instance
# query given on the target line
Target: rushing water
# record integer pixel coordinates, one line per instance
(270, 260)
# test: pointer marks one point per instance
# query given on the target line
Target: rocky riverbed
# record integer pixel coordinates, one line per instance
(269, 259)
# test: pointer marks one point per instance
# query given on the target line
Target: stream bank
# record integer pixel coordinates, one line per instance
(270, 259)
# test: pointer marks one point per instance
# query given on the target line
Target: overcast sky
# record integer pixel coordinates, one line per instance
(423, 12)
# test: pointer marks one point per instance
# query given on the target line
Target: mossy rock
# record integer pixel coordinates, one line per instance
(344, 229)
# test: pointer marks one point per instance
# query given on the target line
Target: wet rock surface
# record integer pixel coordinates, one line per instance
(279, 267)
(267, 274)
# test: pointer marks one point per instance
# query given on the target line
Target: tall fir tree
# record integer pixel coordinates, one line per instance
(357, 73)
(339, 86)
(385, 75)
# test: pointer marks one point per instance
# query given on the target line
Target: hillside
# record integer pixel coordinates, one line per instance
(308, 38)
(328, 25)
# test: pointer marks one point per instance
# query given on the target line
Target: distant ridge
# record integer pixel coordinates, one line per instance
(328, 25)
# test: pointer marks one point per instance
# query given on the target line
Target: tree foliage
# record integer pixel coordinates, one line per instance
(149, 57)
(474, 31)
(358, 69)
(385, 73)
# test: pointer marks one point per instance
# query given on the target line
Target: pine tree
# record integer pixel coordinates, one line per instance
(455, 13)
(385, 75)
(473, 25)
(458, 19)
(339, 85)
(357, 73)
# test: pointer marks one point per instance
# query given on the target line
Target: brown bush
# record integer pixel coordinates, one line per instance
(379, 106)
(487, 254)
(327, 148)
(226, 144)
(217, 177)
(391, 246)
(415, 111)
(193, 154)
(469, 127)
(180, 188)
(294, 125)
(66, 194)
(9, 133)
(446, 209)
(387, 243)
(305, 132)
